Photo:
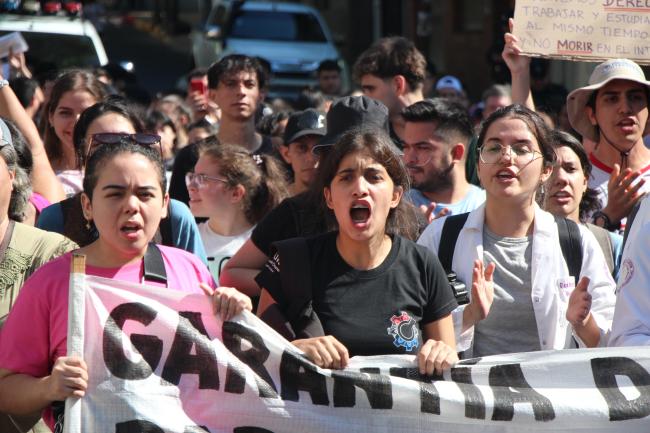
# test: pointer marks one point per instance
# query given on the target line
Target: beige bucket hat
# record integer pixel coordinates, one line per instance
(613, 69)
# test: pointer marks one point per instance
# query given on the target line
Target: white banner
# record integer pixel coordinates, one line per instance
(159, 361)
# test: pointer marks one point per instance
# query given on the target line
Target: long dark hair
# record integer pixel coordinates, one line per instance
(74, 80)
(590, 201)
(401, 220)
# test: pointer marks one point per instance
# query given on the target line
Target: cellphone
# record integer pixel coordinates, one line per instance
(198, 85)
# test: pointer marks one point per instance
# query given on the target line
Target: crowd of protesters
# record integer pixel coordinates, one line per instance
(349, 223)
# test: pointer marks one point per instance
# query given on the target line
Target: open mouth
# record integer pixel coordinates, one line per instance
(360, 213)
(131, 228)
(505, 175)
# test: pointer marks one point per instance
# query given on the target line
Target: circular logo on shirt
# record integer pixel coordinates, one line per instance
(627, 271)
(404, 330)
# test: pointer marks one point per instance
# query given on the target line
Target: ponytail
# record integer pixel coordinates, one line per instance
(261, 176)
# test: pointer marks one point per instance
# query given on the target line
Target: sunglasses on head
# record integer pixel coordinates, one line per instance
(115, 138)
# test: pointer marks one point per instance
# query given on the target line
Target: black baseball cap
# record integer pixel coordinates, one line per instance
(353, 112)
(301, 123)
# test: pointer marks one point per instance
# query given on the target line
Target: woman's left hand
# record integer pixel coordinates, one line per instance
(227, 301)
(579, 308)
(436, 356)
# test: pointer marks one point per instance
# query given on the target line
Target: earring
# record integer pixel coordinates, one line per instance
(88, 224)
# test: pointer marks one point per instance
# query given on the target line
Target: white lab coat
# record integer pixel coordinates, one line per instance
(631, 325)
(551, 282)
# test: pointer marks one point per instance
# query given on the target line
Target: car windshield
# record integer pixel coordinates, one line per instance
(61, 51)
(277, 26)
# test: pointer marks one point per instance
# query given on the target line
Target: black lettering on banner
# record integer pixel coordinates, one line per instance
(191, 333)
(429, 396)
(248, 429)
(474, 402)
(605, 371)
(137, 426)
(232, 335)
(509, 387)
(298, 374)
(149, 346)
(196, 429)
(376, 386)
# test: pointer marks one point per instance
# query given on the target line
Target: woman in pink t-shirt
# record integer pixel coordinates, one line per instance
(124, 196)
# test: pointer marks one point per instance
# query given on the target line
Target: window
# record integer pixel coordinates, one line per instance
(277, 26)
(60, 50)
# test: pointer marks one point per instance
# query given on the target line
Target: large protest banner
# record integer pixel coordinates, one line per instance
(160, 361)
(584, 29)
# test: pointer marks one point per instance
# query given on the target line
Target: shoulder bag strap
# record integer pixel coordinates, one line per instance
(450, 231)
(571, 245)
(154, 266)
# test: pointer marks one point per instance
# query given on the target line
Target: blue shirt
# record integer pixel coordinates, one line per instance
(474, 198)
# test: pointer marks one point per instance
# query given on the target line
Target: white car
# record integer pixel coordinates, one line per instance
(57, 41)
(291, 38)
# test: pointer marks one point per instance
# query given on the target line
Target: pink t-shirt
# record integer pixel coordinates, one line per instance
(35, 333)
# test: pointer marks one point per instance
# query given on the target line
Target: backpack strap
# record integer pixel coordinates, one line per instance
(450, 230)
(629, 221)
(571, 245)
(295, 274)
(154, 266)
(165, 230)
(605, 241)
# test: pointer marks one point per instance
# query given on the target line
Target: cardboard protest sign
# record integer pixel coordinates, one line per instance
(591, 30)
(160, 361)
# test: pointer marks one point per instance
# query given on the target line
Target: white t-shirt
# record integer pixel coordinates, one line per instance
(220, 248)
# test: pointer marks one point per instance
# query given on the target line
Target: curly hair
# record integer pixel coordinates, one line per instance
(21, 185)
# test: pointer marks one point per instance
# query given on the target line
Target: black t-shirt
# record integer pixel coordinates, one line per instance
(375, 312)
(294, 217)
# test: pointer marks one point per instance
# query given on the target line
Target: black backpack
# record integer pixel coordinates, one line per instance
(568, 232)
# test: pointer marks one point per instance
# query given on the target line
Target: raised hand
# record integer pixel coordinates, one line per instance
(511, 53)
(622, 193)
(482, 294)
(579, 308)
(429, 212)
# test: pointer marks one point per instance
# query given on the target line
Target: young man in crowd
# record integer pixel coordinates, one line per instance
(436, 137)
(304, 130)
(237, 84)
(392, 71)
(612, 111)
(329, 78)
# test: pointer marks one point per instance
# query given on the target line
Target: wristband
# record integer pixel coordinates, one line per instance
(3, 83)
(600, 216)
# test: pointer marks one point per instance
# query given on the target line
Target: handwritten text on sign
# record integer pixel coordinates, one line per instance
(585, 29)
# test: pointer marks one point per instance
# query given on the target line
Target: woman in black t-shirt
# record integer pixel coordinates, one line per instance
(373, 291)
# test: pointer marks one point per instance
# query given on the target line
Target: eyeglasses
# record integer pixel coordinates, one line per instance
(115, 138)
(519, 153)
(201, 179)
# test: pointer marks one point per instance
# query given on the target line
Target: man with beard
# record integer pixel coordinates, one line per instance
(436, 136)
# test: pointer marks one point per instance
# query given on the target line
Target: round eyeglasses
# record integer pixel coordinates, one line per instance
(201, 179)
(520, 154)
